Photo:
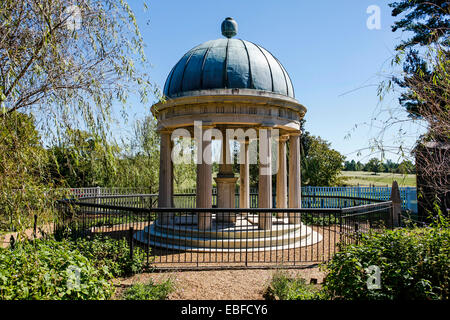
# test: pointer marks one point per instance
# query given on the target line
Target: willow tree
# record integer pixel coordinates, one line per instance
(69, 60)
(68, 63)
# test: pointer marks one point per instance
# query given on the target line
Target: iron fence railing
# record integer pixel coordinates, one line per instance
(236, 237)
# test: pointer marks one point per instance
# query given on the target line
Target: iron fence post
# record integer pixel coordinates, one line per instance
(12, 242)
(35, 227)
(130, 232)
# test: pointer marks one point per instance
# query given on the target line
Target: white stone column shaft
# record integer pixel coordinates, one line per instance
(244, 176)
(294, 176)
(165, 194)
(281, 190)
(265, 178)
(204, 181)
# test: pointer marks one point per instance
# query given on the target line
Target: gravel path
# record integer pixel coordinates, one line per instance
(218, 284)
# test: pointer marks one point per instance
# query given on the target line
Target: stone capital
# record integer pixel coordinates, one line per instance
(282, 138)
(165, 131)
(295, 133)
(226, 179)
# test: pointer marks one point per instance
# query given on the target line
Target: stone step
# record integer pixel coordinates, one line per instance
(311, 238)
(243, 228)
(169, 240)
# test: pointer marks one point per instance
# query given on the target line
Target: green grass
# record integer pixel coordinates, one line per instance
(149, 291)
(284, 287)
(363, 178)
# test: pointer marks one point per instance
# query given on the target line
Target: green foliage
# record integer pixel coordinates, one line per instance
(111, 253)
(414, 264)
(425, 19)
(23, 178)
(82, 160)
(285, 287)
(321, 165)
(319, 219)
(66, 80)
(427, 23)
(138, 161)
(41, 270)
(374, 165)
(65, 74)
(406, 167)
(149, 291)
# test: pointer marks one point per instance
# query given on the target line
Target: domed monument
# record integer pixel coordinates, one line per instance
(230, 89)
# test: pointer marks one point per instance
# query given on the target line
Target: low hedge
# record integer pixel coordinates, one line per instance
(413, 264)
(114, 254)
(48, 269)
(45, 269)
(284, 287)
(149, 290)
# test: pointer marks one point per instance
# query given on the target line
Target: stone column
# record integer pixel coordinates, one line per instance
(265, 177)
(281, 190)
(244, 175)
(165, 176)
(226, 183)
(294, 176)
(204, 179)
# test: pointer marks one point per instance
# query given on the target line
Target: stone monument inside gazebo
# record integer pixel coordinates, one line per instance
(231, 85)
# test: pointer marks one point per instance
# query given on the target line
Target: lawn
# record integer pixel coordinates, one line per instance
(364, 178)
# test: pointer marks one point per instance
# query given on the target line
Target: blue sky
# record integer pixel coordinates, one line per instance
(335, 62)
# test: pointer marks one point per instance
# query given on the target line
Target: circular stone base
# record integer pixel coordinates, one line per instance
(182, 233)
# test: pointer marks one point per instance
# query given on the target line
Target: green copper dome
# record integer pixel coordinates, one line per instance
(228, 64)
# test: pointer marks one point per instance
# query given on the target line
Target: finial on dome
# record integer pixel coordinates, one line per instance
(229, 27)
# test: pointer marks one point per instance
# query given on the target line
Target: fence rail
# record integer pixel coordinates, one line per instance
(186, 198)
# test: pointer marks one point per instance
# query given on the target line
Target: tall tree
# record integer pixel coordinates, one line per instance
(425, 93)
(81, 161)
(321, 166)
(23, 174)
(374, 165)
(429, 25)
(65, 63)
(139, 159)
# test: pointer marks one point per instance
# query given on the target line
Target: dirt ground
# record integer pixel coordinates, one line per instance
(248, 284)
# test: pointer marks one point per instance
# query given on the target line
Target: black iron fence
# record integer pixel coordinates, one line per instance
(218, 237)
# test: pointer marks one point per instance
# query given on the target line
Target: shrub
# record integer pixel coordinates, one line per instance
(414, 264)
(111, 253)
(149, 291)
(320, 219)
(284, 287)
(42, 270)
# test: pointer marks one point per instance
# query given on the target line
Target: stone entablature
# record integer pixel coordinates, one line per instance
(238, 109)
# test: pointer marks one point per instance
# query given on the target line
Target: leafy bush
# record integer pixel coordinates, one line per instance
(47, 269)
(414, 264)
(321, 219)
(111, 253)
(149, 291)
(284, 287)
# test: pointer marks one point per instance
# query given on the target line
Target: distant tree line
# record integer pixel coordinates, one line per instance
(376, 165)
